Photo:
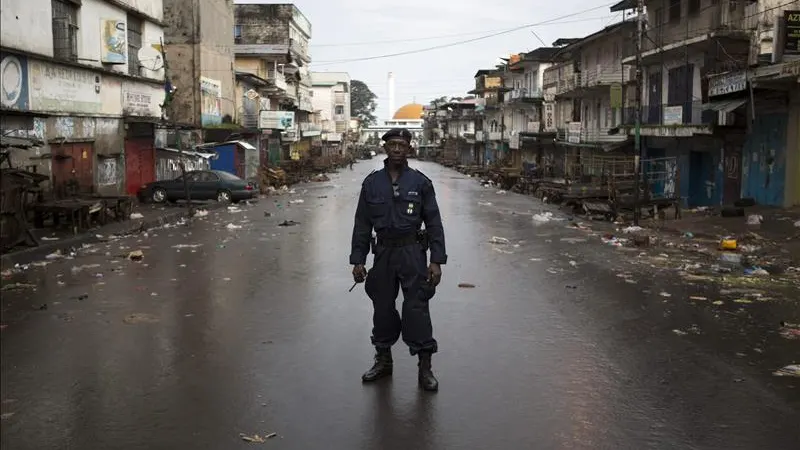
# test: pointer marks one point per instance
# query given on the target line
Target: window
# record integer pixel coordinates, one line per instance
(134, 44)
(339, 109)
(65, 29)
(674, 10)
(237, 34)
(694, 6)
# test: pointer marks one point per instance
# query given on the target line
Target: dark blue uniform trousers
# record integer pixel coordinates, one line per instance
(394, 268)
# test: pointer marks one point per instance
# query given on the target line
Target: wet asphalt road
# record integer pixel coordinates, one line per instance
(254, 332)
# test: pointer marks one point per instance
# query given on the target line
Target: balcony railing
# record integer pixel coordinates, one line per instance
(278, 80)
(479, 136)
(601, 135)
(568, 84)
(605, 75)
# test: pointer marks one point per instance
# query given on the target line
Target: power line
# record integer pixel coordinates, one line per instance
(453, 44)
(442, 36)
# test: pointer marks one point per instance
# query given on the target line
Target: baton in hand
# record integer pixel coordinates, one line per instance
(354, 286)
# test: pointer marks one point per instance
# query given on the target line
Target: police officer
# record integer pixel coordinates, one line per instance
(395, 201)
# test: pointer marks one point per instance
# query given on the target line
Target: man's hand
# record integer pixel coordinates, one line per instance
(359, 273)
(434, 274)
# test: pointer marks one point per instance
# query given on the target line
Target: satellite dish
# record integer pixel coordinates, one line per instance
(150, 59)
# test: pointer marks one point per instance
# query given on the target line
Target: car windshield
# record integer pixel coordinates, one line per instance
(228, 176)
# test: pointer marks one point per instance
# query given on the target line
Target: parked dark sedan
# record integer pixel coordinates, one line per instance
(203, 185)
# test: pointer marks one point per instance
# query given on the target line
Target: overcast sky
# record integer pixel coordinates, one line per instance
(410, 25)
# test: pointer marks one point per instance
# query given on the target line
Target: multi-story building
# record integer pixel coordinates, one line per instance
(491, 132)
(460, 127)
(83, 81)
(198, 41)
(331, 100)
(770, 159)
(272, 42)
(696, 86)
(526, 104)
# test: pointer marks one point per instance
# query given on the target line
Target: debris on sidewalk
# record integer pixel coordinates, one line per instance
(792, 370)
(297, 201)
(545, 217)
(466, 285)
(234, 209)
(632, 229)
(179, 246)
(137, 318)
(288, 223)
(78, 269)
(499, 240)
(233, 226)
(136, 255)
(17, 286)
(201, 213)
(256, 439)
(790, 330)
(321, 177)
(136, 216)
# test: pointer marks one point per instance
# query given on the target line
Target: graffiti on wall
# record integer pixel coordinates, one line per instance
(107, 172)
(210, 94)
(169, 168)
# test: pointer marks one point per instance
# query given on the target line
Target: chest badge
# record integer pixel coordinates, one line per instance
(410, 209)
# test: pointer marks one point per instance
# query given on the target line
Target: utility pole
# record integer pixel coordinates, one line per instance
(637, 139)
(169, 91)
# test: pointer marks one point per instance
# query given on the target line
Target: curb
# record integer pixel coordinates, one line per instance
(127, 227)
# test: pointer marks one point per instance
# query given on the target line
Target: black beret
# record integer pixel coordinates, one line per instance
(401, 133)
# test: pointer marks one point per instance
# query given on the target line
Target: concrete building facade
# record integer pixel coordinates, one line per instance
(84, 83)
(199, 51)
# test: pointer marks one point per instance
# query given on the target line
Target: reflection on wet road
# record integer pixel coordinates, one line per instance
(219, 332)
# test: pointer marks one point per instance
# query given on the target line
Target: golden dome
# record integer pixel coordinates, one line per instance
(411, 111)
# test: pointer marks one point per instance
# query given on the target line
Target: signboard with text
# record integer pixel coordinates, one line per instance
(791, 41)
(727, 83)
(276, 120)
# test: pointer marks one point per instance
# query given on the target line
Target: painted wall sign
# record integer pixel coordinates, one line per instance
(210, 94)
(114, 45)
(14, 82)
(791, 41)
(673, 115)
(141, 100)
(727, 83)
(276, 120)
(61, 88)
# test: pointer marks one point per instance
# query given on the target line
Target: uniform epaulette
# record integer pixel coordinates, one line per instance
(369, 175)
(423, 175)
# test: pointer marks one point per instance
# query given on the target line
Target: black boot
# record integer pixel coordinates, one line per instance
(382, 368)
(427, 380)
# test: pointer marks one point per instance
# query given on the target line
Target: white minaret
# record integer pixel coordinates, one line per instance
(391, 95)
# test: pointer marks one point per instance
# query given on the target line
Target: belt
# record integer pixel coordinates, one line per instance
(398, 241)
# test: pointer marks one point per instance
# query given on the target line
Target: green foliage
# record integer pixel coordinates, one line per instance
(362, 103)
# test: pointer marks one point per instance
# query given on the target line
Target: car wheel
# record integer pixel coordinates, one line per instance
(159, 195)
(224, 196)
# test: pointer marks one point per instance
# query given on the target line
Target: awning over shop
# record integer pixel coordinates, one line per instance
(725, 106)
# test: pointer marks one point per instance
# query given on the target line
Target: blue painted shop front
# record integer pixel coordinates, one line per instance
(764, 160)
(697, 167)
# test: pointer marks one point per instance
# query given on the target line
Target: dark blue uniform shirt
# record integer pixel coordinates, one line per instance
(397, 210)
